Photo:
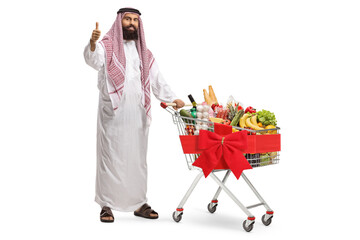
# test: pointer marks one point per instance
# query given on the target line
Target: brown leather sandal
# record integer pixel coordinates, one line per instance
(106, 212)
(145, 212)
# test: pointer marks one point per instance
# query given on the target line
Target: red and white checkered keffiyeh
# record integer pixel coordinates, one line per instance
(116, 63)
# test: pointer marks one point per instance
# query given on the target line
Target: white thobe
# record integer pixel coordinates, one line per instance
(122, 138)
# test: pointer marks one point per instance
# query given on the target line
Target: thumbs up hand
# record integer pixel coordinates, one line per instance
(94, 37)
(96, 33)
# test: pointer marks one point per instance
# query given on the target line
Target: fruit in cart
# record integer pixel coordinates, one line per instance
(234, 130)
(266, 118)
(253, 120)
(243, 120)
(254, 123)
(216, 120)
(271, 127)
(251, 125)
(259, 124)
(248, 123)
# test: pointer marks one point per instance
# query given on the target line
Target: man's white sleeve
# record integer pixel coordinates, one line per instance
(95, 59)
(160, 88)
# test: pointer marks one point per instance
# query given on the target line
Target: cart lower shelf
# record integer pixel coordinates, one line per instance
(248, 224)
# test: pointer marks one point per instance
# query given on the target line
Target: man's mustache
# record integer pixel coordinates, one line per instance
(128, 27)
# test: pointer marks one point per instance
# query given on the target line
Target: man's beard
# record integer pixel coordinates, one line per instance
(130, 35)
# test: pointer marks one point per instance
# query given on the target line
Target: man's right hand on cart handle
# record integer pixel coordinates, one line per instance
(179, 104)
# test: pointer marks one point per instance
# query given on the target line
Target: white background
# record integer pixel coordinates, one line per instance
(298, 59)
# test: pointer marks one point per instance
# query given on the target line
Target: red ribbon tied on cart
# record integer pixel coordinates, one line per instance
(230, 147)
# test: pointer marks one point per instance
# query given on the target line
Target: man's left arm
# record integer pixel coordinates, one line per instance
(161, 89)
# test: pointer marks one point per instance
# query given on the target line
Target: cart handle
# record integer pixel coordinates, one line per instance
(165, 105)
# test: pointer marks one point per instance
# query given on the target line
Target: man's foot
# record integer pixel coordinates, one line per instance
(106, 215)
(145, 211)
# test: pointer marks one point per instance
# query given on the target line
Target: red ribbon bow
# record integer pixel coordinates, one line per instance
(231, 148)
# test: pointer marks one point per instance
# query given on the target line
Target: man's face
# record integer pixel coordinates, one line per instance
(130, 23)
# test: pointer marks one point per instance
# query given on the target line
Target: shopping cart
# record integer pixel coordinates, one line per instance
(258, 144)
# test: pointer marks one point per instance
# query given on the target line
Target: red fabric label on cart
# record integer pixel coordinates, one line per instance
(263, 143)
(190, 144)
(222, 129)
(256, 143)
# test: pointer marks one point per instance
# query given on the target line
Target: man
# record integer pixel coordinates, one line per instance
(127, 69)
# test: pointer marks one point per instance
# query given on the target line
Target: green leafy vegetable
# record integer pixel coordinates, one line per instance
(266, 117)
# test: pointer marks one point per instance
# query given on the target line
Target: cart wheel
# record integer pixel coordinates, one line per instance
(249, 228)
(211, 209)
(267, 222)
(178, 218)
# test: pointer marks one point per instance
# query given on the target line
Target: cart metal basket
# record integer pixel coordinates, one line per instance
(186, 126)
